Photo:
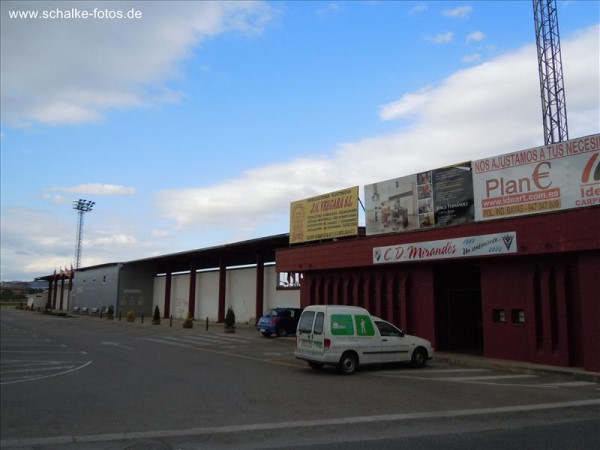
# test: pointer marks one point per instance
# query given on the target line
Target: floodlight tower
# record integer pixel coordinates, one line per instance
(554, 109)
(82, 206)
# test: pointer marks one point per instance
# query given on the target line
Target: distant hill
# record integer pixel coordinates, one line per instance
(23, 285)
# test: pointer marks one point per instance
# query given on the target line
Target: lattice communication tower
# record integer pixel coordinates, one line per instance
(554, 108)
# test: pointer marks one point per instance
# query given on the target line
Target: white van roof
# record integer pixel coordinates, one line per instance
(346, 308)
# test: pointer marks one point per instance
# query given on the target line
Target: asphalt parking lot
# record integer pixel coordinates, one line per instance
(91, 383)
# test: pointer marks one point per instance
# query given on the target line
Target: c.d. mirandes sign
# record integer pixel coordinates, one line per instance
(487, 244)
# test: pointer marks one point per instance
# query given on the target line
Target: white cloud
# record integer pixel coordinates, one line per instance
(489, 109)
(94, 189)
(62, 80)
(471, 58)
(328, 9)
(421, 7)
(442, 38)
(462, 12)
(476, 36)
(404, 107)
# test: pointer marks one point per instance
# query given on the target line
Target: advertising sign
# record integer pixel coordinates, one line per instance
(482, 245)
(439, 197)
(553, 177)
(326, 216)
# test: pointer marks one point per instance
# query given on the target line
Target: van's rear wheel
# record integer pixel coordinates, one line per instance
(348, 363)
(315, 365)
(419, 357)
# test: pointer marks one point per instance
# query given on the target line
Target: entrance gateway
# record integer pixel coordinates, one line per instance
(458, 307)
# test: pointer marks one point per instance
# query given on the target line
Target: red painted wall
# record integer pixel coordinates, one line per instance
(554, 278)
(589, 284)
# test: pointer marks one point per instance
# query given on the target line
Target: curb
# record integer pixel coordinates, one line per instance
(573, 373)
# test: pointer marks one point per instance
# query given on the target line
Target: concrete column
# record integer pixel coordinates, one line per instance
(260, 285)
(192, 292)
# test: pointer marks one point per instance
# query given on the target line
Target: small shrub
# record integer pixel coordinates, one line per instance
(156, 317)
(189, 321)
(230, 318)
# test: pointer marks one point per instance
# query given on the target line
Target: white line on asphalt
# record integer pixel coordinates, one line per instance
(571, 383)
(486, 377)
(117, 345)
(22, 380)
(62, 440)
(38, 369)
(43, 351)
(163, 341)
(33, 344)
(435, 371)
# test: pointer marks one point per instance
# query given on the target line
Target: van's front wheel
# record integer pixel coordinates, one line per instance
(348, 363)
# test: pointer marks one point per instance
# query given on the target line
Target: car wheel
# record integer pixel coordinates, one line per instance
(348, 363)
(315, 365)
(266, 333)
(282, 332)
(419, 357)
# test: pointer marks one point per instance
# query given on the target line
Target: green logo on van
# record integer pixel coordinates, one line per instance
(364, 326)
(341, 325)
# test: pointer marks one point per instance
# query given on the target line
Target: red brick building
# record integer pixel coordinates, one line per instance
(540, 303)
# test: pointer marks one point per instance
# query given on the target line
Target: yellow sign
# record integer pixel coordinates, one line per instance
(326, 216)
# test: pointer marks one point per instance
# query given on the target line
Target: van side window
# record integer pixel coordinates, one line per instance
(319, 323)
(386, 329)
(306, 322)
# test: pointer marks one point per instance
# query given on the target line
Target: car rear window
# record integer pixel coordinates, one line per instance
(319, 321)
(306, 322)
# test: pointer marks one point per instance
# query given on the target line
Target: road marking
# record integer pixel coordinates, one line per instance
(43, 351)
(117, 345)
(163, 341)
(485, 377)
(435, 371)
(221, 352)
(38, 369)
(571, 383)
(210, 339)
(24, 379)
(62, 440)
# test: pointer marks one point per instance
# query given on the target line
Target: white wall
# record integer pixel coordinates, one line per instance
(240, 293)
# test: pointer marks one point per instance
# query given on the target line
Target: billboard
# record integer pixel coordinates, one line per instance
(326, 216)
(553, 177)
(434, 198)
(481, 245)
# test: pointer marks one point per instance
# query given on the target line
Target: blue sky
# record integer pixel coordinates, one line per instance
(198, 123)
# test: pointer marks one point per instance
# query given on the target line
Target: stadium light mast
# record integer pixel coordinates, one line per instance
(554, 108)
(81, 206)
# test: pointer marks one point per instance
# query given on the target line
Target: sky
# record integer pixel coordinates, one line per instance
(194, 124)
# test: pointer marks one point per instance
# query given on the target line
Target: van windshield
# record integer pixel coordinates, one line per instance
(306, 322)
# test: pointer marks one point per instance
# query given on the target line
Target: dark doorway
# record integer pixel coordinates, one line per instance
(458, 308)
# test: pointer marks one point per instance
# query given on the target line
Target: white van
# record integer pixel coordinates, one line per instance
(348, 336)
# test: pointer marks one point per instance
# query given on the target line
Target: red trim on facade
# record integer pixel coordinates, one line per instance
(548, 292)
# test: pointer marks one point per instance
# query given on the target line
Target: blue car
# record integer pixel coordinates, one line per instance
(279, 321)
